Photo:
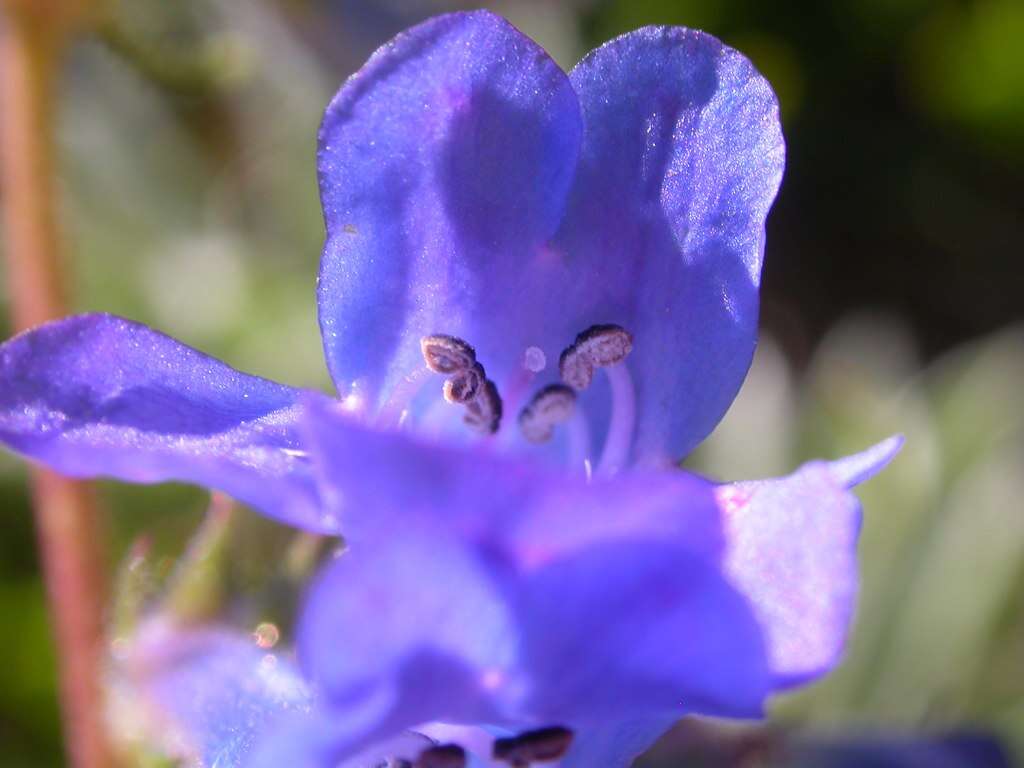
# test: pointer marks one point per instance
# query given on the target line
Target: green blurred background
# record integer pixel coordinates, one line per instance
(892, 299)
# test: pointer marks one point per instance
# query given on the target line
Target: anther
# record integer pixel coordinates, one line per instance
(447, 354)
(463, 386)
(542, 745)
(484, 412)
(596, 347)
(467, 382)
(552, 405)
(442, 756)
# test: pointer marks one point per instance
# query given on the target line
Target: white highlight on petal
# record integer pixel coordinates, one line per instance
(352, 403)
(620, 432)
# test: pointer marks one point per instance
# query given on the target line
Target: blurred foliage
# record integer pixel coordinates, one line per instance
(938, 636)
(189, 201)
(905, 155)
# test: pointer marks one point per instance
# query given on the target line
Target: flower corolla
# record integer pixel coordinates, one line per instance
(538, 292)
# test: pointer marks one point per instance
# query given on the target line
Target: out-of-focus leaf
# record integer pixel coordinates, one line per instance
(196, 590)
(966, 66)
(765, 408)
(972, 559)
(978, 401)
(859, 389)
(28, 699)
(969, 561)
(134, 585)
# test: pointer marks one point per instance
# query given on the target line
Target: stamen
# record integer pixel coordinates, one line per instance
(442, 756)
(447, 354)
(620, 430)
(554, 404)
(579, 442)
(542, 745)
(467, 382)
(464, 386)
(575, 368)
(484, 412)
(596, 347)
(605, 346)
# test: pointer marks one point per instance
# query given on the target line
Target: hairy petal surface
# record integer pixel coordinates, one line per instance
(209, 695)
(489, 590)
(682, 158)
(444, 164)
(97, 395)
(213, 697)
(792, 552)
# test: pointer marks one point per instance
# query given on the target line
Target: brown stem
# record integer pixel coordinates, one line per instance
(67, 520)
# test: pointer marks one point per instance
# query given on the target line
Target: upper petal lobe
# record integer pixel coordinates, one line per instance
(444, 164)
(682, 157)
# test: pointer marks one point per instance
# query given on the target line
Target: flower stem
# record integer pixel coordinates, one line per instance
(67, 519)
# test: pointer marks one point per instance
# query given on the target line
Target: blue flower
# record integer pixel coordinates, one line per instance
(470, 188)
(545, 606)
(538, 291)
(482, 589)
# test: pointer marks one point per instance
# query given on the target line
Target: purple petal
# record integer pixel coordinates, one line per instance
(417, 613)
(682, 158)
(209, 695)
(97, 395)
(378, 482)
(860, 467)
(335, 738)
(213, 697)
(792, 552)
(638, 628)
(485, 589)
(444, 165)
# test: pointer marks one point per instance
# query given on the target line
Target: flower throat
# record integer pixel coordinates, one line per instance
(551, 407)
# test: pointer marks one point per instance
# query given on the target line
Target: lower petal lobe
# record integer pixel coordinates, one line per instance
(486, 589)
(638, 628)
(791, 550)
(209, 694)
(97, 395)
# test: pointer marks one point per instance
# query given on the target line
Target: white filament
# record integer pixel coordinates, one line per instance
(395, 411)
(620, 431)
(579, 441)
